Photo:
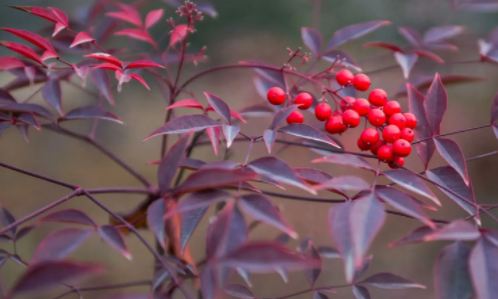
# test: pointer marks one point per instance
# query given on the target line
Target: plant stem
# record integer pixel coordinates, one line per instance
(452, 133)
(107, 287)
(482, 156)
(39, 176)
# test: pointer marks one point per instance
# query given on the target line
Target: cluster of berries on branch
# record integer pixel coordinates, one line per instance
(391, 130)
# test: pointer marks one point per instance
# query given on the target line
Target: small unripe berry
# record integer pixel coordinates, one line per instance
(398, 120)
(407, 134)
(402, 148)
(391, 133)
(362, 106)
(397, 160)
(362, 145)
(392, 107)
(334, 125)
(295, 117)
(376, 117)
(304, 100)
(351, 118)
(323, 111)
(343, 77)
(370, 136)
(374, 148)
(385, 153)
(347, 103)
(378, 97)
(276, 96)
(361, 82)
(411, 120)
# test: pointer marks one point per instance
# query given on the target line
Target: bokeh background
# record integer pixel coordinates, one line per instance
(248, 30)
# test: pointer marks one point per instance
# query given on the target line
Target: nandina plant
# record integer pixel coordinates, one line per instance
(319, 106)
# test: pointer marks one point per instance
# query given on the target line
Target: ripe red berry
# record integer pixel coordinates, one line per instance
(392, 107)
(362, 145)
(370, 136)
(376, 117)
(362, 106)
(378, 97)
(295, 117)
(361, 82)
(398, 160)
(411, 120)
(304, 100)
(391, 133)
(343, 77)
(398, 120)
(385, 153)
(347, 103)
(351, 118)
(402, 148)
(334, 125)
(407, 134)
(276, 96)
(323, 111)
(374, 148)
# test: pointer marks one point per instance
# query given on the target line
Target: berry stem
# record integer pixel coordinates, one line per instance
(452, 133)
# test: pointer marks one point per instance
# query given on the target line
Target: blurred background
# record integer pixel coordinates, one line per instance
(247, 30)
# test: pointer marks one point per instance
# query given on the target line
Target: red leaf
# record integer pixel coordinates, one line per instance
(100, 78)
(51, 92)
(156, 222)
(128, 14)
(355, 31)
(281, 115)
(184, 124)
(307, 132)
(230, 132)
(211, 178)
(483, 264)
(214, 134)
(339, 224)
(22, 50)
(430, 55)
(178, 33)
(112, 237)
(390, 281)
(269, 137)
(107, 66)
(140, 79)
(406, 62)
(153, 17)
(7, 63)
(31, 37)
(58, 28)
(59, 244)
(170, 162)
(142, 63)
(312, 39)
(61, 16)
(187, 103)
(91, 112)
(39, 11)
(451, 152)
(27, 107)
(437, 35)
(69, 216)
(451, 272)
(189, 222)
(49, 55)
(346, 159)
(388, 46)
(347, 182)
(107, 58)
(219, 106)
(81, 38)
(411, 182)
(455, 231)
(411, 35)
(199, 200)
(138, 34)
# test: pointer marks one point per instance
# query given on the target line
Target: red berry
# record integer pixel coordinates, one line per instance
(374, 148)
(361, 82)
(391, 133)
(304, 100)
(398, 160)
(323, 111)
(370, 136)
(392, 107)
(276, 96)
(362, 145)
(378, 97)
(362, 106)
(334, 125)
(385, 153)
(295, 117)
(376, 117)
(411, 120)
(398, 120)
(407, 134)
(347, 103)
(351, 118)
(402, 148)
(343, 77)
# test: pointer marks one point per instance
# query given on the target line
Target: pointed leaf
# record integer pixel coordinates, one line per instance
(139, 79)
(91, 112)
(347, 182)
(239, 291)
(112, 237)
(7, 219)
(178, 33)
(452, 153)
(39, 11)
(155, 220)
(281, 115)
(406, 62)
(187, 103)
(435, 104)
(81, 38)
(269, 137)
(422, 131)
(311, 175)
(61, 16)
(361, 292)
(214, 135)
(170, 162)
(438, 34)
(451, 273)
(51, 92)
(340, 228)
(100, 78)
(346, 159)
(189, 222)
(31, 37)
(107, 58)
(364, 267)
(153, 17)
(22, 50)
(484, 268)
(142, 63)
(390, 281)
(7, 63)
(355, 31)
(27, 107)
(199, 200)
(346, 61)
(411, 182)
(416, 236)
(59, 244)
(23, 232)
(312, 39)
(230, 133)
(209, 285)
(307, 132)
(128, 14)
(211, 178)
(219, 106)
(313, 274)
(69, 216)
(184, 124)
(388, 46)
(411, 35)
(456, 230)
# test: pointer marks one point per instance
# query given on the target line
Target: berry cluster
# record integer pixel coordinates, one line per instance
(391, 132)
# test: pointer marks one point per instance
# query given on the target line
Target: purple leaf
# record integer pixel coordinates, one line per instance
(60, 244)
(455, 231)
(406, 62)
(219, 106)
(112, 237)
(155, 220)
(279, 171)
(351, 32)
(437, 35)
(346, 159)
(411, 35)
(313, 273)
(276, 77)
(264, 257)
(383, 45)
(3, 259)
(91, 112)
(449, 178)
(258, 110)
(214, 134)
(307, 132)
(411, 182)
(47, 275)
(239, 291)
(281, 115)
(212, 177)
(184, 124)
(52, 94)
(23, 232)
(230, 133)
(269, 137)
(312, 39)
(451, 152)
(341, 232)
(451, 273)
(361, 292)
(435, 104)
(404, 203)
(6, 97)
(27, 107)
(345, 61)
(390, 281)
(364, 267)
(100, 79)
(170, 162)
(221, 164)
(369, 216)
(189, 222)
(261, 208)
(328, 252)
(480, 6)
(159, 277)
(209, 284)
(190, 163)
(347, 182)
(198, 200)
(494, 115)
(483, 264)
(69, 216)
(7, 219)
(416, 236)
